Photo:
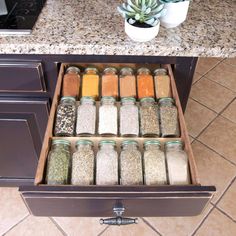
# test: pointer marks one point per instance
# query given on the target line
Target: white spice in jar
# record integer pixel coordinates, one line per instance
(129, 117)
(107, 163)
(83, 164)
(107, 117)
(154, 163)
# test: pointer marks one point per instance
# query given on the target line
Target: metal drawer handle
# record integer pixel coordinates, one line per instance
(119, 220)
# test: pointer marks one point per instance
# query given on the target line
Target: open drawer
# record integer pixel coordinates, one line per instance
(95, 201)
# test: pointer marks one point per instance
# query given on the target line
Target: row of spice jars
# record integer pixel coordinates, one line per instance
(112, 84)
(149, 119)
(154, 167)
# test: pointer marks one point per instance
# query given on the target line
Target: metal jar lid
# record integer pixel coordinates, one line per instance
(147, 99)
(177, 142)
(160, 71)
(129, 142)
(61, 141)
(166, 100)
(143, 70)
(152, 142)
(73, 69)
(108, 98)
(87, 99)
(126, 71)
(127, 99)
(68, 98)
(110, 70)
(94, 69)
(111, 142)
(84, 142)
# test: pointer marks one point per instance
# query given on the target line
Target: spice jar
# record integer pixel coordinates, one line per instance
(83, 163)
(127, 83)
(86, 117)
(154, 163)
(65, 117)
(131, 172)
(110, 82)
(71, 82)
(145, 83)
(149, 119)
(177, 163)
(58, 163)
(90, 83)
(162, 83)
(129, 117)
(107, 117)
(107, 163)
(169, 123)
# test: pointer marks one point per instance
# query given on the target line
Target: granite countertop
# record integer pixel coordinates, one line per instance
(95, 27)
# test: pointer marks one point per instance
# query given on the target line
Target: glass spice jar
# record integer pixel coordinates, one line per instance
(107, 163)
(90, 83)
(58, 163)
(83, 163)
(154, 163)
(65, 117)
(71, 82)
(129, 117)
(162, 83)
(169, 123)
(107, 124)
(86, 117)
(145, 83)
(131, 172)
(110, 82)
(149, 119)
(177, 163)
(127, 83)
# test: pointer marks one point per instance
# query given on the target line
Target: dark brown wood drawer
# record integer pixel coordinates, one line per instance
(21, 76)
(91, 201)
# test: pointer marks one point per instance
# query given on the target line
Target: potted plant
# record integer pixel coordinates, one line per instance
(141, 18)
(175, 14)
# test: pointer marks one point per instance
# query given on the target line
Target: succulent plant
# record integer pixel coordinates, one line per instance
(142, 11)
(172, 1)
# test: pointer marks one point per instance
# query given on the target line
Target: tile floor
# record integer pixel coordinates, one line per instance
(211, 121)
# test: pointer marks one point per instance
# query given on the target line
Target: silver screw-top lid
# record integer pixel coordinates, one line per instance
(143, 70)
(126, 71)
(72, 69)
(110, 70)
(160, 71)
(93, 69)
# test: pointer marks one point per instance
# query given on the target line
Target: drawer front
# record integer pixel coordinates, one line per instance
(24, 76)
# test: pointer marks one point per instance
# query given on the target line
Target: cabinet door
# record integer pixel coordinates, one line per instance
(22, 127)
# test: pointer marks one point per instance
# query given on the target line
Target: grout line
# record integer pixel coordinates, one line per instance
(227, 106)
(58, 226)
(16, 224)
(225, 214)
(217, 63)
(103, 231)
(151, 226)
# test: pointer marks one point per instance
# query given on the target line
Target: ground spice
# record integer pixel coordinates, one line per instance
(154, 164)
(71, 82)
(145, 83)
(177, 163)
(107, 163)
(162, 83)
(110, 82)
(58, 163)
(90, 83)
(83, 164)
(130, 164)
(127, 83)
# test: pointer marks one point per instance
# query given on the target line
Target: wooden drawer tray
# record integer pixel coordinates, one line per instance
(95, 201)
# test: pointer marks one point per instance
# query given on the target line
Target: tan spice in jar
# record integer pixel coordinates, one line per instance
(127, 83)
(71, 82)
(110, 82)
(145, 83)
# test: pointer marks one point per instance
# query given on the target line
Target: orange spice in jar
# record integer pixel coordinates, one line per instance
(110, 82)
(127, 83)
(71, 82)
(90, 83)
(162, 83)
(145, 83)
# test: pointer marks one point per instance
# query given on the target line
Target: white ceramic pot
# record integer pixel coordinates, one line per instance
(141, 34)
(176, 13)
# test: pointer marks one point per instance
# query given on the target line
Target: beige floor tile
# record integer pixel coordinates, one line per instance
(217, 224)
(206, 64)
(169, 226)
(130, 230)
(230, 112)
(80, 225)
(227, 203)
(36, 226)
(230, 61)
(220, 135)
(213, 169)
(211, 94)
(12, 208)
(224, 74)
(196, 77)
(197, 117)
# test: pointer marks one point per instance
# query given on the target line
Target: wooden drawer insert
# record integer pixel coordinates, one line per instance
(68, 200)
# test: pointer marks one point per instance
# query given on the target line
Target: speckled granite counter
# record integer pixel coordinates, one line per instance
(95, 27)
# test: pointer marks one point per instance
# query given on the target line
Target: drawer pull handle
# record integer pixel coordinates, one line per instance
(119, 220)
